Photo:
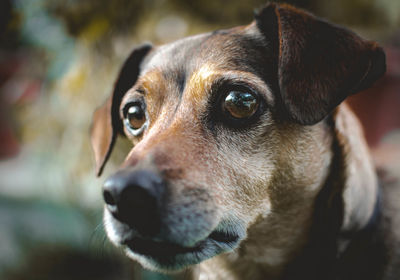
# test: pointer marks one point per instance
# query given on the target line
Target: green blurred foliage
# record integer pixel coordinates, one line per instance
(80, 16)
(225, 12)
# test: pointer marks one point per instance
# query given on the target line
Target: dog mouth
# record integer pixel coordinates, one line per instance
(155, 249)
(168, 256)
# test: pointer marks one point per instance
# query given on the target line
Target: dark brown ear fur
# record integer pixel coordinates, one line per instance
(106, 121)
(319, 63)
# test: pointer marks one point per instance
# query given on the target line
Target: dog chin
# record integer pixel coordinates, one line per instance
(169, 257)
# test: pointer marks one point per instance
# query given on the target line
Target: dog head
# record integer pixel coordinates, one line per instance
(229, 136)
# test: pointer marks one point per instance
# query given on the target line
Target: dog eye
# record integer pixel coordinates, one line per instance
(134, 118)
(240, 105)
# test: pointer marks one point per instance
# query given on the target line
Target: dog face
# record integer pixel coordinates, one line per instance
(229, 141)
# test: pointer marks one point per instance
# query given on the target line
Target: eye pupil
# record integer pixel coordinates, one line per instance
(240, 104)
(135, 116)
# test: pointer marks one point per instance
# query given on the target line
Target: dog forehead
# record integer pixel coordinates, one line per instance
(240, 48)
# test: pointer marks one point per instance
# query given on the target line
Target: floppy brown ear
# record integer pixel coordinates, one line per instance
(106, 121)
(318, 63)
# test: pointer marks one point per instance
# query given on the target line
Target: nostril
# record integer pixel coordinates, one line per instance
(108, 198)
(134, 198)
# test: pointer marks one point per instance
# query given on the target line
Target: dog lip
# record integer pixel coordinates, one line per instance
(153, 248)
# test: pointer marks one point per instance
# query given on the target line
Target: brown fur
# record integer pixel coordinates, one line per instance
(295, 187)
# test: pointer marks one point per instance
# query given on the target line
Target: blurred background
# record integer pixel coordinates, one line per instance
(58, 61)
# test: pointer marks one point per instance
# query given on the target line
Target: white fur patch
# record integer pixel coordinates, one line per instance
(109, 228)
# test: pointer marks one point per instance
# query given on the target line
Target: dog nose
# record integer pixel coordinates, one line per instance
(134, 198)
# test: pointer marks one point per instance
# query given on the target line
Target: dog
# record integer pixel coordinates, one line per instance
(246, 163)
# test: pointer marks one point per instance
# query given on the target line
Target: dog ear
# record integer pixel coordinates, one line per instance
(106, 120)
(318, 63)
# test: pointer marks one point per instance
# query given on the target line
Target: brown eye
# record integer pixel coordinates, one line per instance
(240, 104)
(134, 118)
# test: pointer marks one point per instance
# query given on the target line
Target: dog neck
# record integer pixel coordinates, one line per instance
(361, 184)
(359, 246)
(344, 216)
